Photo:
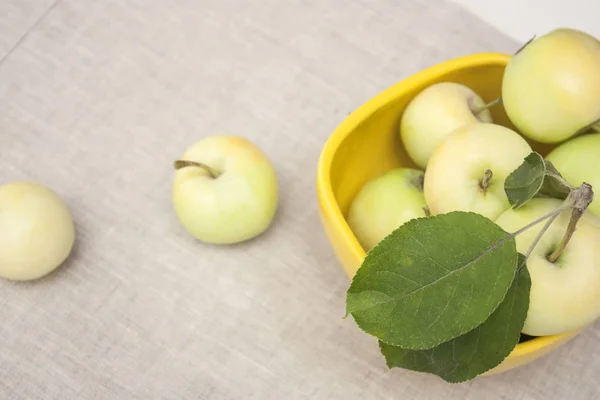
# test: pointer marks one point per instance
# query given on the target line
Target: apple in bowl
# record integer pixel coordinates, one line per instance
(453, 104)
(551, 87)
(385, 203)
(467, 170)
(578, 160)
(565, 290)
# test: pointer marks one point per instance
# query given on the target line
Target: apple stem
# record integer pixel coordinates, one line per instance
(419, 181)
(488, 105)
(487, 177)
(525, 45)
(179, 164)
(575, 215)
(427, 211)
(594, 127)
(581, 197)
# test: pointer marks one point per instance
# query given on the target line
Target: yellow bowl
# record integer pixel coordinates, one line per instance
(367, 144)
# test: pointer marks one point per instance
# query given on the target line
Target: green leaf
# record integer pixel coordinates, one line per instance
(432, 279)
(554, 185)
(525, 181)
(535, 177)
(477, 351)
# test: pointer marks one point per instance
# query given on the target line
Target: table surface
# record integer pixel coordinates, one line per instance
(97, 98)
(522, 20)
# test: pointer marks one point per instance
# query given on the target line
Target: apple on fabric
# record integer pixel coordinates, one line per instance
(551, 88)
(385, 203)
(225, 190)
(37, 233)
(435, 112)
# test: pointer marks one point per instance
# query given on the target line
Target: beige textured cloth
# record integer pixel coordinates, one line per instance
(98, 97)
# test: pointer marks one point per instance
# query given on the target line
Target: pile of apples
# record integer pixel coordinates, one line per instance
(551, 94)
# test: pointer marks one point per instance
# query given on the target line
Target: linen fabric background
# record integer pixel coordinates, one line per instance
(98, 98)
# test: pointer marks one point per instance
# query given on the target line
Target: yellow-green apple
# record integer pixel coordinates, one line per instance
(37, 232)
(385, 203)
(578, 161)
(225, 190)
(551, 88)
(435, 112)
(466, 172)
(565, 294)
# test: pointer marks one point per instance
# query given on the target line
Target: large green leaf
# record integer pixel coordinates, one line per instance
(477, 351)
(432, 279)
(535, 177)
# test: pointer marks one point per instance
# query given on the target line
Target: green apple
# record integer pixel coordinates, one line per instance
(225, 190)
(385, 203)
(578, 161)
(435, 112)
(551, 88)
(466, 172)
(37, 232)
(565, 295)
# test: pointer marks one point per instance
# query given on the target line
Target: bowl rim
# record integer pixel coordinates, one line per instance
(327, 202)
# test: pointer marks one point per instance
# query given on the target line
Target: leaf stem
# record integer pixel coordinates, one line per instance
(179, 164)
(539, 236)
(552, 214)
(488, 105)
(561, 180)
(485, 182)
(565, 206)
(581, 197)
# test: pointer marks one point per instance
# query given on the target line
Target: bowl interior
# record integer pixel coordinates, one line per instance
(372, 143)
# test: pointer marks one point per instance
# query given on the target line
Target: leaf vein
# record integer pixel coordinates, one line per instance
(451, 273)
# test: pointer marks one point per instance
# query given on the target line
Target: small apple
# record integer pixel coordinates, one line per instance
(578, 161)
(565, 295)
(435, 112)
(466, 172)
(385, 203)
(225, 190)
(37, 232)
(551, 88)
